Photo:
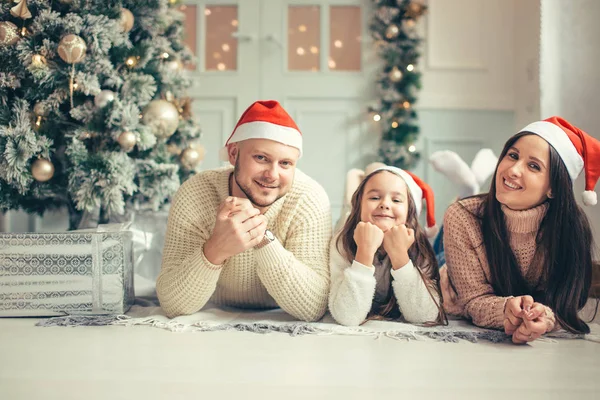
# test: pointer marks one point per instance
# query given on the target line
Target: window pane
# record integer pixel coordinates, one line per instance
(304, 38)
(344, 38)
(189, 30)
(221, 46)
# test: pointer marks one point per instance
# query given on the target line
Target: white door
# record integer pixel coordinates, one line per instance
(308, 55)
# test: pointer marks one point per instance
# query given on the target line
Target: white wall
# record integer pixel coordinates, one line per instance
(570, 81)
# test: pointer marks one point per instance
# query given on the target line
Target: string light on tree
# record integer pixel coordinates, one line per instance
(412, 148)
(410, 67)
(394, 124)
(376, 117)
(132, 61)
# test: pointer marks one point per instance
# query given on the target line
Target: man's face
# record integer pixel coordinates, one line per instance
(264, 170)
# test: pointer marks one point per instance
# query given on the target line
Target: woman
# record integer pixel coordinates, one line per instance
(519, 258)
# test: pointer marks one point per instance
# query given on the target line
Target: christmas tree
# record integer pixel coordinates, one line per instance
(394, 29)
(93, 112)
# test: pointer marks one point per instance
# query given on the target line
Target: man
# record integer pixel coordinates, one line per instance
(252, 236)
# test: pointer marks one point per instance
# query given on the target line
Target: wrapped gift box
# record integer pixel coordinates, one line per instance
(77, 272)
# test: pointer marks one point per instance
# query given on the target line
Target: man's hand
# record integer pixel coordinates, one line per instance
(239, 227)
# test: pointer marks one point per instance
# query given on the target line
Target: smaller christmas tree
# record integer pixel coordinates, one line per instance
(396, 41)
(93, 111)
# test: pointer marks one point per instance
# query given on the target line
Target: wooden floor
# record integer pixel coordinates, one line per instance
(149, 363)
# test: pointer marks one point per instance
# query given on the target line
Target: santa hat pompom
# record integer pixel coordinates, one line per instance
(590, 198)
(432, 231)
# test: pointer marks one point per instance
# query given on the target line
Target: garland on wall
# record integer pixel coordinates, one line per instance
(393, 28)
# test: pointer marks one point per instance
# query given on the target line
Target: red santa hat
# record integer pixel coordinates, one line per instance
(578, 151)
(419, 191)
(265, 120)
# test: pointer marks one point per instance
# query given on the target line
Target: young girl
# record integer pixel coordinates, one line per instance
(520, 257)
(382, 264)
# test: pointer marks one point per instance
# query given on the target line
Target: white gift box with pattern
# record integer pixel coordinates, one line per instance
(77, 272)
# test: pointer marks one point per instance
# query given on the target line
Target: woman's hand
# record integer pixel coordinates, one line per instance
(396, 242)
(514, 311)
(535, 324)
(368, 238)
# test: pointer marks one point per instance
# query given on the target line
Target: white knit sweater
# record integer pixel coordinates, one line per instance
(353, 288)
(291, 272)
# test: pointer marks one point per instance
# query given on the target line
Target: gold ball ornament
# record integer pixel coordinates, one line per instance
(162, 117)
(127, 141)
(191, 157)
(103, 98)
(126, 20)
(395, 74)
(9, 33)
(40, 109)
(174, 65)
(392, 31)
(42, 170)
(71, 49)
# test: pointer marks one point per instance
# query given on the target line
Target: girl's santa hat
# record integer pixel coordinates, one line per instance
(578, 151)
(265, 120)
(419, 191)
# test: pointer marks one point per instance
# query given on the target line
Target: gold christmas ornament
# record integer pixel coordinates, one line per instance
(395, 74)
(174, 65)
(184, 106)
(191, 157)
(21, 10)
(127, 141)
(162, 117)
(173, 149)
(9, 33)
(40, 109)
(392, 31)
(42, 170)
(38, 60)
(415, 10)
(71, 49)
(126, 20)
(103, 98)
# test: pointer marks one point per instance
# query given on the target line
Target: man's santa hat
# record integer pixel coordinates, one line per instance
(578, 151)
(419, 191)
(265, 120)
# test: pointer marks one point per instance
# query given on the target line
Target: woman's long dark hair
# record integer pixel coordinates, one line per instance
(564, 248)
(421, 252)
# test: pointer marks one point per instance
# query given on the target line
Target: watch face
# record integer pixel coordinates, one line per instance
(269, 235)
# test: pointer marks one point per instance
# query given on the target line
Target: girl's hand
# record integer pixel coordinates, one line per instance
(535, 324)
(396, 242)
(368, 238)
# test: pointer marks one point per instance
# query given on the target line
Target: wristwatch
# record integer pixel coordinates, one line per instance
(268, 238)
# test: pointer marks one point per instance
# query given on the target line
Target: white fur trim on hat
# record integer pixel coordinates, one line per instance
(590, 198)
(266, 130)
(558, 139)
(431, 232)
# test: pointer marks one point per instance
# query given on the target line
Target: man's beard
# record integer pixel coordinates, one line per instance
(246, 190)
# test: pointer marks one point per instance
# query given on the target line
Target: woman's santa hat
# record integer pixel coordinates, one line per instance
(419, 191)
(265, 120)
(578, 151)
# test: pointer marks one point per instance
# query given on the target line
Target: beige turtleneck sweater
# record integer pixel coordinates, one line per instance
(468, 267)
(291, 272)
